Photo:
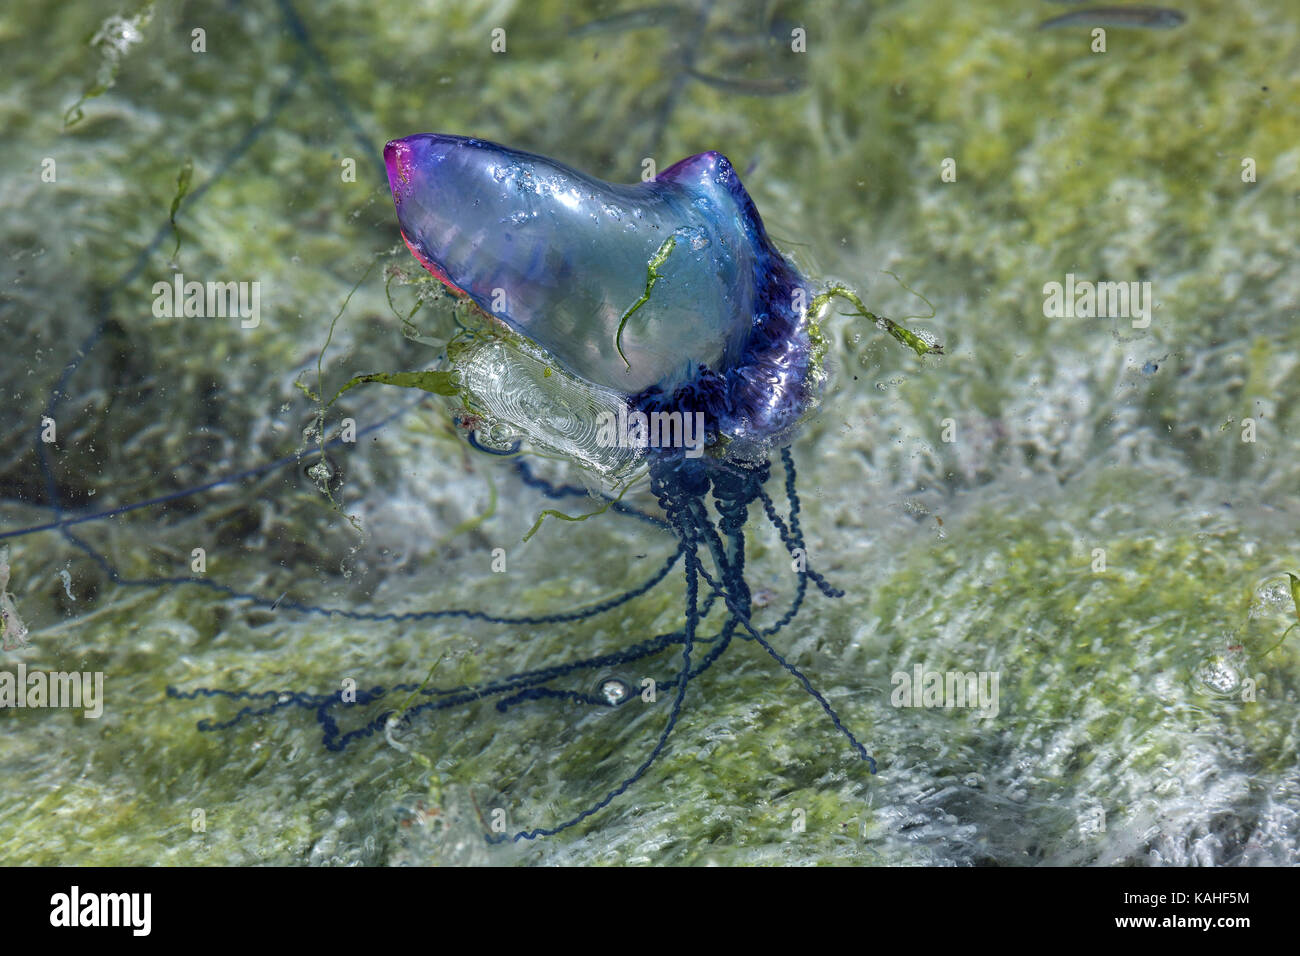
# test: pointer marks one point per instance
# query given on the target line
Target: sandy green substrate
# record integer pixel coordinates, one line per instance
(1124, 732)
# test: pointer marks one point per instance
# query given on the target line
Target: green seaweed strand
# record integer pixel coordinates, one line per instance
(898, 332)
(439, 383)
(469, 524)
(316, 395)
(408, 324)
(109, 66)
(444, 383)
(551, 512)
(401, 711)
(652, 275)
(183, 180)
(928, 304)
(434, 788)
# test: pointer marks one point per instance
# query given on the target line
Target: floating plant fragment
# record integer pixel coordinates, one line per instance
(113, 40)
(183, 180)
(653, 275)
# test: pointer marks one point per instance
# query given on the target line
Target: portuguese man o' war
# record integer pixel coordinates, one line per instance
(561, 257)
(644, 330)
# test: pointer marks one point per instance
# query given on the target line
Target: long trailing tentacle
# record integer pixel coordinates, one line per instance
(675, 500)
(520, 684)
(762, 641)
(680, 488)
(447, 697)
(737, 491)
(65, 521)
(563, 617)
(791, 537)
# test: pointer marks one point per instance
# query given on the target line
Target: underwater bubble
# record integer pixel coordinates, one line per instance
(614, 691)
(500, 433)
(696, 236)
(322, 476)
(1218, 676)
(117, 34)
(322, 472)
(1275, 595)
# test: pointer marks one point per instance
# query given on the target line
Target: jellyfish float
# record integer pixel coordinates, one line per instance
(643, 330)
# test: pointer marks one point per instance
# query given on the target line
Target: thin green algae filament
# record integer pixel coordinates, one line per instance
(652, 275)
(111, 49)
(183, 180)
(901, 334)
(435, 788)
(551, 512)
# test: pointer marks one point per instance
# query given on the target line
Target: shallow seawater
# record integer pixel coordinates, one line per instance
(1099, 512)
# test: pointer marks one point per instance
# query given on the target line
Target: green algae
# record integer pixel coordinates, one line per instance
(183, 181)
(111, 41)
(899, 333)
(652, 275)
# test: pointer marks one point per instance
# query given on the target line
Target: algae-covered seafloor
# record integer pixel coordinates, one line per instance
(1073, 504)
